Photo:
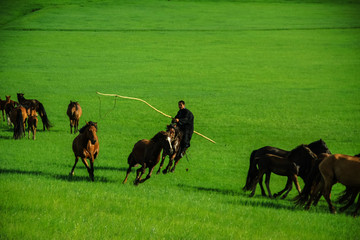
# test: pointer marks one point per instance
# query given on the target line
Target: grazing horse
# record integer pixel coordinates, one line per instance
(175, 143)
(86, 146)
(316, 147)
(74, 112)
(32, 122)
(332, 169)
(147, 154)
(28, 103)
(18, 117)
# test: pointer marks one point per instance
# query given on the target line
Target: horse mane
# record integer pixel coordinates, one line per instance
(157, 137)
(89, 124)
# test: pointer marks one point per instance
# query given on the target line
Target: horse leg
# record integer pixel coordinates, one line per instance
(350, 202)
(149, 174)
(92, 168)
(177, 159)
(262, 187)
(288, 182)
(139, 174)
(256, 181)
(288, 186)
(357, 206)
(72, 170)
(267, 183)
(166, 170)
(163, 156)
(88, 168)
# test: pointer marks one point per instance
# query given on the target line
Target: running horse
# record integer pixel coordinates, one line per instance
(175, 143)
(147, 153)
(28, 103)
(300, 155)
(74, 113)
(86, 146)
(329, 170)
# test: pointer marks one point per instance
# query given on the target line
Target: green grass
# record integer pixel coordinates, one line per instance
(253, 73)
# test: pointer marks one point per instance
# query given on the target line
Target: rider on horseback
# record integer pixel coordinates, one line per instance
(185, 121)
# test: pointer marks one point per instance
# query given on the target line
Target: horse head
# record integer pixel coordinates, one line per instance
(166, 138)
(90, 130)
(319, 147)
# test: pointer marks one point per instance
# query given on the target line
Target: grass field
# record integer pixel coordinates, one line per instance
(253, 73)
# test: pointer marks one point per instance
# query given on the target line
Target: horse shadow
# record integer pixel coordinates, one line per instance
(244, 199)
(62, 177)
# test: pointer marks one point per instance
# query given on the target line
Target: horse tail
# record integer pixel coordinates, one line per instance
(252, 172)
(44, 117)
(19, 125)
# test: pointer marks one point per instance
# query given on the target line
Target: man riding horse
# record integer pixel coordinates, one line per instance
(185, 121)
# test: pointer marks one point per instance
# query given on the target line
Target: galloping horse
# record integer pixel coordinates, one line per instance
(175, 143)
(18, 117)
(333, 168)
(305, 162)
(147, 154)
(28, 103)
(86, 146)
(74, 112)
(32, 122)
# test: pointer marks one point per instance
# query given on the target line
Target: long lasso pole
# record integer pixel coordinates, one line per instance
(141, 100)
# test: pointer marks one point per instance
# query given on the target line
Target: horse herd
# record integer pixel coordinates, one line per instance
(314, 163)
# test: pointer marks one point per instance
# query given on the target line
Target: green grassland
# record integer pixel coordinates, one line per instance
(254, 73)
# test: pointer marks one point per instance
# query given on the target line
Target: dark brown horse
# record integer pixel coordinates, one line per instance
(33, 103)
(9, 105)
(147, 154)
(175, 143)
(18, 117)
(74, 113)
(332, 169)
(300, 155)
(279, 165)
(86, 146)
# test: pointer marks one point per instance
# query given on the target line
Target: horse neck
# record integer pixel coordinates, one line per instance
(155, 146)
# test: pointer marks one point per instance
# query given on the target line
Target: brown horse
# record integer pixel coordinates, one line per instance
(28, 103)
(279, 165)
(332, 169)
(175, 143)
(18, 117)
(32, 122)
(147, 154)
(86, 146)
(74, 112)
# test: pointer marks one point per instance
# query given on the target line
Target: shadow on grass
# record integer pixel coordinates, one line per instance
(242, 198)
(62, 177)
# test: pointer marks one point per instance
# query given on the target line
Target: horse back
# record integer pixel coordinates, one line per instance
(342, 168)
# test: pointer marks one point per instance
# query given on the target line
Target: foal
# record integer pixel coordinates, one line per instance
(32, 122)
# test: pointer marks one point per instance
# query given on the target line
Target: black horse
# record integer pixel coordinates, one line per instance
(38, 106)
(301, 156)
(176, 150)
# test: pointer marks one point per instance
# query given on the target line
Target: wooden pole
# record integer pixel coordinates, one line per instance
(141, 100)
